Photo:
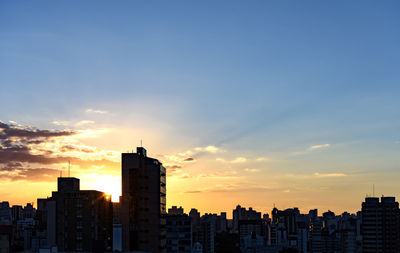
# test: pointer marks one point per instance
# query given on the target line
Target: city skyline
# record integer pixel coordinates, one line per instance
(73, 219)
(262, 104)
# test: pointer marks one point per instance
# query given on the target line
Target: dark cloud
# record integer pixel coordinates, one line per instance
(14, 164)
(74, 148)
(189, 159)
(19, 157)
(193, 191)
(38, 141)
(22, 154)
(173, 168)
(30, 133)
(11, 167)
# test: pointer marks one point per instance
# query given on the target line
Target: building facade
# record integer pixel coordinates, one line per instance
(143, 203)
(77, 220)
(380, 225)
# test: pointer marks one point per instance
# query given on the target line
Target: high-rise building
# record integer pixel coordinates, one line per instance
(143, 203)
(5, 213)
(179, 231)
(77, 220)
(380, 225)
(206, 233)
(240, 213)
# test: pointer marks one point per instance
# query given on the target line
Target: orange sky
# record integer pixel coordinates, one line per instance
(209, 178)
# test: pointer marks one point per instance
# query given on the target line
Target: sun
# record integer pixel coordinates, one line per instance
(109, 184)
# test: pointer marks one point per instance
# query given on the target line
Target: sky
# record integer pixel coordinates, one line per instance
(260, 103)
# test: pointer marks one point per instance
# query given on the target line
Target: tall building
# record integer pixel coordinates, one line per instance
(240, 213)
(143, 203)
(380, 225)
(5, 238)
(77, 220)
(179, 231)
(5, 213)
(206, 233)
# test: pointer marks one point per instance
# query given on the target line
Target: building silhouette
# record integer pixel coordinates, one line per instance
(179, 231)
(380, 225)
(77, 220)
(143, 203)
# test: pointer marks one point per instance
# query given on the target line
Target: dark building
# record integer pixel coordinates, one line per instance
(240, 213)
(250, 228)
(5, 238)
(143, 203)
(206, 233)
(287, 217)
(380, 225)
(77, 220)
(179, 231)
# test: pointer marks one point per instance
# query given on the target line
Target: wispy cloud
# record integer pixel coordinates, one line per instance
(246, 187)
(236, 160)
(329, 174)
(84, 122)
(96, 111)
(189, 156)
(320, 146)
(209, 149)
(239, 160)
(69, 123)
(60, 123)
(251, 170)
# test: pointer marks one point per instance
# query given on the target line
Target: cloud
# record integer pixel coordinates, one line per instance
(209, 149)
(248, 187)
(75, 148)
(96, 111)
(185, 175)
(236, 160)
(84, 122)
(172, 168)
(330, 175)
(197, 191)
(8, 131)
(320, 146)
(33, 175)
(190, 155)
(24, 151)
(60, 123)
(239, 160)
(218, 175)
(251, 170)
(69, 123)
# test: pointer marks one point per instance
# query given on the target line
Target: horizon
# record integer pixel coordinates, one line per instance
(115, 199)
(258, 104)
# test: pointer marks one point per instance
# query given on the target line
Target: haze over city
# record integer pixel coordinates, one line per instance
(258, 104)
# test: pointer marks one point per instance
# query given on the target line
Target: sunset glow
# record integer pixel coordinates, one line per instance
(257, 104)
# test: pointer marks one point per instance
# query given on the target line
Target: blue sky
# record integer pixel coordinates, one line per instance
(255, 79)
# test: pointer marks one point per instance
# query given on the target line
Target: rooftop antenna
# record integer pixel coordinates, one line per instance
(373, 190)
(69, 168)
(60, 173)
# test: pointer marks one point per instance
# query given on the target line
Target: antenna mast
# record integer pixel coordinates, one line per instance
(373, 190)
